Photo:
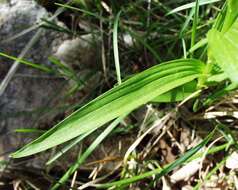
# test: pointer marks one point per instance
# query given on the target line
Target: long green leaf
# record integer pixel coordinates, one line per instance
(115, 48)
(231, 14)
(36, 66)
(191, 5)
(194, 27)
(124, 98)
(224, 48)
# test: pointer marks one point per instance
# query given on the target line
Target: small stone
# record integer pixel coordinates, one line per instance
(232, 161)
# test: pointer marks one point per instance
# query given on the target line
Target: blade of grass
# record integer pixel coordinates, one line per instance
(190, 5)
(231, 15)
(228, 134)
(53, 26)
(194, 28)
(167, 9)
(115, 48)
(20, 60)
(29, 130)
(66, 6)
(219, 21)
(184, 48)
(198, 45)
(212, 150)
(186, 23)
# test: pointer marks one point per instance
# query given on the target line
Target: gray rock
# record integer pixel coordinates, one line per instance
(29, 90)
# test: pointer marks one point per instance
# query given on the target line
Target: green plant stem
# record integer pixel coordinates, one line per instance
(115, 48)
(194, 28)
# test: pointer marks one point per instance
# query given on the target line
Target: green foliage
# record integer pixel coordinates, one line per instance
(231, 14)
(36, 66)
(115, 48)
(166, 82)
(223, 48)
(117, 101)
(191, 5)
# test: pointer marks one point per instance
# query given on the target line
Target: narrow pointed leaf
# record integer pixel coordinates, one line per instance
(122, 99)
(191, 5)
(231, 14)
